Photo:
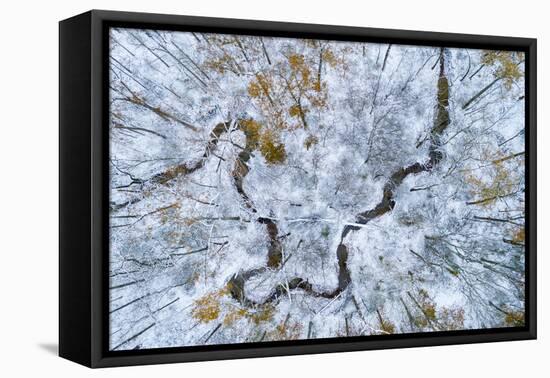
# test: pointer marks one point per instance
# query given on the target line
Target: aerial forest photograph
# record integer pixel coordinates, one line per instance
(266, 189)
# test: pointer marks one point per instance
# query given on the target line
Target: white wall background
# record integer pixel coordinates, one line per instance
(29, 189)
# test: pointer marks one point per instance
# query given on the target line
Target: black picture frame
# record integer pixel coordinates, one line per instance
(84, 193)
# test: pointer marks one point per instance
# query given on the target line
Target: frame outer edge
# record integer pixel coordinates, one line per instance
(99, 21)
(98, 215)
(532, 193)
(74, 192)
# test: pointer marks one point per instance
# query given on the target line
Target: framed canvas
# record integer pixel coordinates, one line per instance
(234, 188)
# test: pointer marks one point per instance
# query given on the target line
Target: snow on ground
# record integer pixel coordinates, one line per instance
(348, 116)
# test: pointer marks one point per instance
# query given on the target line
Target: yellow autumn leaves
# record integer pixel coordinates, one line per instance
(211, 307)
(266, 140)
(207, 308)
(293, 83)
(500, 183)
(506, 63)
(284, 91)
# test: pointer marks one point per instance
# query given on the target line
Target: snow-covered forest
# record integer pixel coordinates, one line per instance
(268, 189)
